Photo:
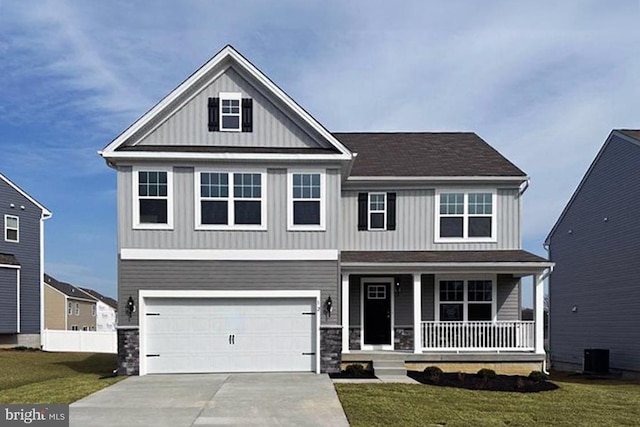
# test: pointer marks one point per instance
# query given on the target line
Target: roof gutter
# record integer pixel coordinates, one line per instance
(524, 186)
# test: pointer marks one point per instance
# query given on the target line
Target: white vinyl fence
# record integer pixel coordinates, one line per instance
(80, 341)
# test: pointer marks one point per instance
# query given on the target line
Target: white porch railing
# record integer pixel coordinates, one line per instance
(510, 335)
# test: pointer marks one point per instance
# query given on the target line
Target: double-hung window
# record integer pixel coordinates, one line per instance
(69, 309)
(230, 111)
(230, 200)
(306, 201)
(465, 216)
(77, 309)
(11, 228)
(153, 198)
(377, 211)
(465, 300)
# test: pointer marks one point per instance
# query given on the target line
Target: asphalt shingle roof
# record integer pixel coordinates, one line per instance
(9, 259)
(97, 295)
(66, 288)
(439, 257)
(425, 154)
(631, 133)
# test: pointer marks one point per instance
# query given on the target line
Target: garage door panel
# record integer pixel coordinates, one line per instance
(230, 335)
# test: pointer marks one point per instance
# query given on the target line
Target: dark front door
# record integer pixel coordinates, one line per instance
(377, 313)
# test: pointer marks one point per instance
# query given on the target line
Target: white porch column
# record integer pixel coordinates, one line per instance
(417, 313)
(538, 310)
(344, 303)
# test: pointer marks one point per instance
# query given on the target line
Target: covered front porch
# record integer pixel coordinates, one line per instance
(446, 306)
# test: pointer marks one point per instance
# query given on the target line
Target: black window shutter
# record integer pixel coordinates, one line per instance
(247, 115)
(391, 211)
(214, 114)
(363, 212)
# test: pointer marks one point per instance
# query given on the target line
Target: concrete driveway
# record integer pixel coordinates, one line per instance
(213, 400)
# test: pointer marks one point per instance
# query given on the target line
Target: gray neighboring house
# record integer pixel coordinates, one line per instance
(595, 243)
(250, 238)
(21, 266)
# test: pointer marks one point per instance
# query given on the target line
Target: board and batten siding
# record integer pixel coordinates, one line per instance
(27, 251)
(596, 248)
(271, 127)
(415, 224)
(227, 275)
(8, 301)
(185, 236)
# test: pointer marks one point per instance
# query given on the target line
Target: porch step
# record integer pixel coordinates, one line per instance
(389, 367)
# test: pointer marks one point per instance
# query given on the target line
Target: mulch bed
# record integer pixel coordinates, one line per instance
(512, 383)
(343, 374)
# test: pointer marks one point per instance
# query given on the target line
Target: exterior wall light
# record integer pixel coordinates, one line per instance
(131, 307)
(397, 288)
(328, 306)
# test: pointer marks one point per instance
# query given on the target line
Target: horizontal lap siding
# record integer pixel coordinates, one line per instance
(227, 275)
(508, 304)
(271, 127)
(415, 224)
(184, 235)
(27, 251)
(597, 264)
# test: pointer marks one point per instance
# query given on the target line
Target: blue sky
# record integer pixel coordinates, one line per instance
(543, 82)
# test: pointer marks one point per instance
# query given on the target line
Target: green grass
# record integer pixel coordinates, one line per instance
(40, 377)
(578, 402)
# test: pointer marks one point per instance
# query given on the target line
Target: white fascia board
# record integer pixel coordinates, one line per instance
(45, 212)
(17, 267)
(227, 52)
(229, 255)
(520, 266)
(160, 155)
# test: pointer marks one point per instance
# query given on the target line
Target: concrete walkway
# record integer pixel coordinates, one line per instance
(212, 400)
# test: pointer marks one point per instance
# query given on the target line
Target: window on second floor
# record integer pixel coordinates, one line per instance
(153, 198)
(77, 309)
(230, 200)
(376, 211)
(11, 228)
(93, 310)
(69, 309)
(465, 216)
(306, 201)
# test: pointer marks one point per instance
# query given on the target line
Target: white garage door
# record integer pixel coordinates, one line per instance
(191, 335)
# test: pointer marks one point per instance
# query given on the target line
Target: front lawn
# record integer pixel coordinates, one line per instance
(577, 402)
(40, 377)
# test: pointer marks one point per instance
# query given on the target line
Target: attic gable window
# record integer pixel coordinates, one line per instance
(229, 112)
(465, 216)
(153, 198)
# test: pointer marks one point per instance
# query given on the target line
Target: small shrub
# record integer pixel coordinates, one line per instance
(486, 373)
(355, 370)
(538, 376)
(432, 371)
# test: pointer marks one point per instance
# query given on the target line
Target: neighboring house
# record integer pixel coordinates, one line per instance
(596, 247)
(68, 307)
(21, 266)
(106, 309)
(253, 239)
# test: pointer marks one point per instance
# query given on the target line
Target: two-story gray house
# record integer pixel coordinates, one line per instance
(250, 238)
(21, 266)
(596, 247)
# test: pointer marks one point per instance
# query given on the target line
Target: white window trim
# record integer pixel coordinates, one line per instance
(323, 191)
(136, 206)
(77, 307)
(230, 200)
(70, 309)
(17, 229)
(74, 327)
(369, 212)
(93, 310)
(465, 302)
(466, 216)
(231, 96)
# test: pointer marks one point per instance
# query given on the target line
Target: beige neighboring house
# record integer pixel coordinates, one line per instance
(66, 307)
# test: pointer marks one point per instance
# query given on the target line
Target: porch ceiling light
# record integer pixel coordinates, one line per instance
(397, 288)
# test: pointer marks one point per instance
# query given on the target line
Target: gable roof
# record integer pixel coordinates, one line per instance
(427, 154)
(201, 78)
(630, 135)
(45, 212)
(97, 295)
(67, 289)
